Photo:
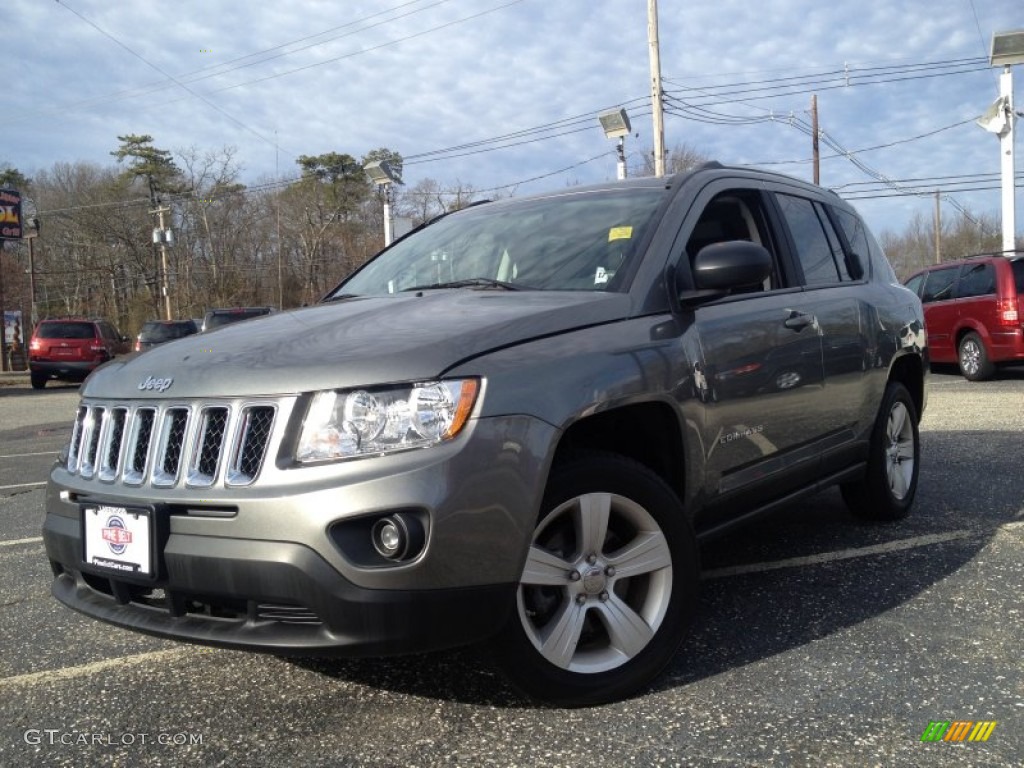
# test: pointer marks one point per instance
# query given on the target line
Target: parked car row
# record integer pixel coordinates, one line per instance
(70, 348)
(974, 312)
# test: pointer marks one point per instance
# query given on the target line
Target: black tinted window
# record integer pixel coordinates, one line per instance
(939, 284)
(812, 245)
(1018, 274)
(977, 280)
(166, 331)
(857, 238)
(66, 330)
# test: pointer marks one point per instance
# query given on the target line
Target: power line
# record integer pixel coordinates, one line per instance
(148, 63)
(212, 70)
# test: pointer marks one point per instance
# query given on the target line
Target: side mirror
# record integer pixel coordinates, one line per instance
(729, 265)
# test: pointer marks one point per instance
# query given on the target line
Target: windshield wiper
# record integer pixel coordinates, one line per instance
(472, 282)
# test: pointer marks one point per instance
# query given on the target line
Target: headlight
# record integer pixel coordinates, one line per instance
(361, 422)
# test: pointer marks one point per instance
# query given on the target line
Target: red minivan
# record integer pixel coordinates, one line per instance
(974, 312)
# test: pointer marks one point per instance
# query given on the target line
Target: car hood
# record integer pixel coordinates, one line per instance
(353, 342)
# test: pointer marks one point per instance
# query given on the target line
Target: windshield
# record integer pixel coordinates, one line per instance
(574, 242)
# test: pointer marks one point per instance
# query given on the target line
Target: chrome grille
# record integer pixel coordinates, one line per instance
(198, 444)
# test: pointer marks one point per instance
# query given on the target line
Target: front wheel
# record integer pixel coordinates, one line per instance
(888, 488)
(609, 586)
(38, 382)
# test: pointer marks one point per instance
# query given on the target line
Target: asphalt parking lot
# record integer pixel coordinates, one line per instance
(821, 641)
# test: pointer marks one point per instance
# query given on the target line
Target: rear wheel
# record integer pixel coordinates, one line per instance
(888, 488)
(609, 586)
(973, 359)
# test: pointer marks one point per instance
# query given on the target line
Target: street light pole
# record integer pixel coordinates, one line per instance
(1007, 50)
(1007, 164)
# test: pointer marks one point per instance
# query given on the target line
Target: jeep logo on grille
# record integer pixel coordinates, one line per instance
(154, 384)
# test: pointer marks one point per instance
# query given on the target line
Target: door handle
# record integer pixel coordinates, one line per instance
(797, 321)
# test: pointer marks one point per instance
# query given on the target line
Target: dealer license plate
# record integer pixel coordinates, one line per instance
(119, 539)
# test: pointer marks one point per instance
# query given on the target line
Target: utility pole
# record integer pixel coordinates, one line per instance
(938, 229)
(657, 108)
(162, 237)
(814, 139)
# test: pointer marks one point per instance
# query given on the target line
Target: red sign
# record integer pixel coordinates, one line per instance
(117, 536)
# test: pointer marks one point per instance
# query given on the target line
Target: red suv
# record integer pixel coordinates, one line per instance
(69, 349)
(974, 312)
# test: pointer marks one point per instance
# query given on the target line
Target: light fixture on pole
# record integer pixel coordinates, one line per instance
(384, 176)
(615, 123)
(1007, 50)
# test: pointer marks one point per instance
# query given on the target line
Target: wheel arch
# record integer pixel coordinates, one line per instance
(909, 371)
(647, 432)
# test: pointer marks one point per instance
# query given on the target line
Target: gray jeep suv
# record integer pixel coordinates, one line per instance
(514, 424)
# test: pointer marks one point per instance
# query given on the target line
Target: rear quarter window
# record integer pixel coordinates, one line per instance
(977, 280)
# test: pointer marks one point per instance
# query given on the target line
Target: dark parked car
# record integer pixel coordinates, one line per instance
(217, 318)
(502, 429)
(70, 348)
(160, 331)
(974, 312)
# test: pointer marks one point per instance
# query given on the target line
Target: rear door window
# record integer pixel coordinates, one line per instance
(812, 244)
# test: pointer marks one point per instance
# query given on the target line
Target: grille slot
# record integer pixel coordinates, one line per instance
(76, 436)
(171, 445)
(116, 419)
(164, 444)
(91, 428)
(213, 427)
(251, 444)
(138, 446)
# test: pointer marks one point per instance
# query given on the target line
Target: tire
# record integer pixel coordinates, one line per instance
(609, 587)
(973, 359)
(888, 488)
(38, 382)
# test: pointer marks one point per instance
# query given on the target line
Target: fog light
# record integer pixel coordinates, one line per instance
(397, 537)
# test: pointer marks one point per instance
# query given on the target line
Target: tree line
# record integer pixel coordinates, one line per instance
(280, 243)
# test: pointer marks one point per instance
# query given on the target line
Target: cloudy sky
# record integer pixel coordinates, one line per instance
(505, 93)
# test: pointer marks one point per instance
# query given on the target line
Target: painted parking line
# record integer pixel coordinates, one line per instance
(83, 670)
(22, 455)
(21, 485)
(842, 554)
(16, 542)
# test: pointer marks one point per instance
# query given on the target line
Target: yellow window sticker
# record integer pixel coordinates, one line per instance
(619, 233)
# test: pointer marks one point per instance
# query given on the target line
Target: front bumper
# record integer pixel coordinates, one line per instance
(66, 370)
(271, 567)
(272, 596)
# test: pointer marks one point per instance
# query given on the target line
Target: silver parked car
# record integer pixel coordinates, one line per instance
(513, 425)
